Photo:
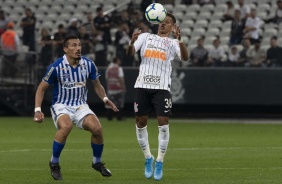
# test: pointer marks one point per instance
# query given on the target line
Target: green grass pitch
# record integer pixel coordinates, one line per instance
(198, 153)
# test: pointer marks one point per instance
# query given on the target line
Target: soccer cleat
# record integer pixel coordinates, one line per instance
(149, 167)
(100, 167)
(55, 171)
(158, 174)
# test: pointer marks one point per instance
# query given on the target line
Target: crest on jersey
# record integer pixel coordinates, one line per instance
(177, 91)
(166, 42)
(83, 72)
(65, 75)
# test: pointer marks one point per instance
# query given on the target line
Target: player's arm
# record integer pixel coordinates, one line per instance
(131, 49)
(38, 115)
(100, 91)
(183, 49)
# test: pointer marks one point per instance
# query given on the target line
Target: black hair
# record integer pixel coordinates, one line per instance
(115, 59)
(274, 38)
(99, 9)
(60, 26)
(171, 16)
(70, 37)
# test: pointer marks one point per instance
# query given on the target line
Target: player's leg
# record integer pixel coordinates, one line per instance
(162, 101)
(92, 124)
(163, 137)
(142, 107)
(64, 126)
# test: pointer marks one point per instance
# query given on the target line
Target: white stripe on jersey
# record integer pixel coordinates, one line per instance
(156, 56)
(70, 83)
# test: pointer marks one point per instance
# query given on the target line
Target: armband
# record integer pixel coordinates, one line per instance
(37, 109)
(105, 99)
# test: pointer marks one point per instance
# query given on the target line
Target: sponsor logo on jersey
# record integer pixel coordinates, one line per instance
(49, 74)
(152, 79)
(150, 53)
(71, 85)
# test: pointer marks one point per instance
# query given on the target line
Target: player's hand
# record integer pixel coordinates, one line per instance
(135, 36)
(176, 32)
(38, 117)
(112, 105)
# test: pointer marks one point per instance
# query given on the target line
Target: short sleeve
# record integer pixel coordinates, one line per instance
(177, 48)
(120, 72)
(248, 22)
(140, 40)
(50, 76)
(94, 72)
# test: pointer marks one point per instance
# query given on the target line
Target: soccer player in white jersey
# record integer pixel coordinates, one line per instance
(68, 75)
(153, 86)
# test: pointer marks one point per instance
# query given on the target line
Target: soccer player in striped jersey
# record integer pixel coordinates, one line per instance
(153, 86)
(68, 75)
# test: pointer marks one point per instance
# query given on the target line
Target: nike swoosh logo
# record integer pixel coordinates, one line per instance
(166, 111)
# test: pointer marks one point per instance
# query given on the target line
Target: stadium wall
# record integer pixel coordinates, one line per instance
(212, 91)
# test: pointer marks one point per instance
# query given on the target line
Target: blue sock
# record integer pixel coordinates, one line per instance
(97, 152)
(57, 149)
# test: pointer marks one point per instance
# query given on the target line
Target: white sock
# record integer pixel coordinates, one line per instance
(163, 142)
(142, 138)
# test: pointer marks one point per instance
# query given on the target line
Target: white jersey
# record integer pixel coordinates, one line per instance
(156, 56)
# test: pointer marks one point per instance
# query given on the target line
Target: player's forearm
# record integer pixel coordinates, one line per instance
(183, 52)
(130, 50)
(100, 91)
(39, 97)
(40, 93)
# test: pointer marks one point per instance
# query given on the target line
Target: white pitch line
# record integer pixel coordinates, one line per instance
(232, 121)
(166, 169)
(170, 149)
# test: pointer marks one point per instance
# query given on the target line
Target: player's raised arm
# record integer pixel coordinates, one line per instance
(100, 91)
(130, 49)
(38, 115)
(182, 46)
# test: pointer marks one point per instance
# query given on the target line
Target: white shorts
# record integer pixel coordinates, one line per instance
(76, 113)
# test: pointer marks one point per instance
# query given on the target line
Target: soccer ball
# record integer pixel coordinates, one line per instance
(155, 13)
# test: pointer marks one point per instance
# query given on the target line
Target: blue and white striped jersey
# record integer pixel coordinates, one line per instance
(70, 83)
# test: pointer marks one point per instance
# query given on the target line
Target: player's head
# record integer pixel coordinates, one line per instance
(166, 26)
(72, 47)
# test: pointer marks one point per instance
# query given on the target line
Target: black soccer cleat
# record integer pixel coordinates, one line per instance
(55, 171)
(100, 167)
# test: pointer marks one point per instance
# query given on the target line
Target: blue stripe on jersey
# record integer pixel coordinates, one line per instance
(70, 83)
(54, 112)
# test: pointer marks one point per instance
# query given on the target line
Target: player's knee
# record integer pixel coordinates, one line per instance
(64, 130)
(141, 122)
(66, 127)
(96, 130)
